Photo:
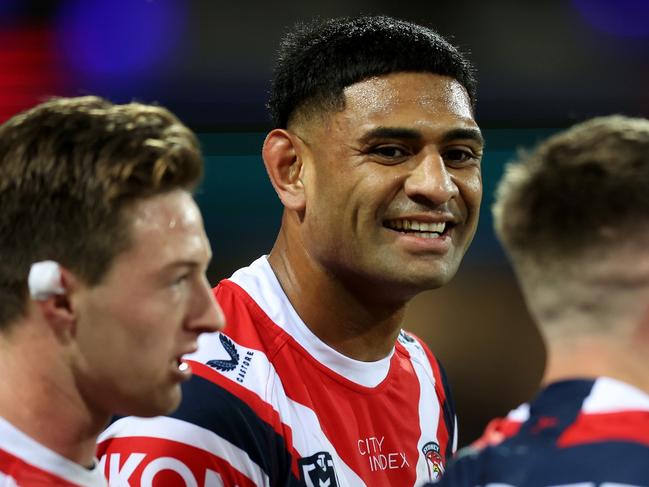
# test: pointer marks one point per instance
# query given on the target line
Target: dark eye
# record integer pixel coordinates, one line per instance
(460, 156)
(389, 152)
(180, 280)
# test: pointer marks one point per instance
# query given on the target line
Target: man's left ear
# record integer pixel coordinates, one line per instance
(58, 307)
(283, 158)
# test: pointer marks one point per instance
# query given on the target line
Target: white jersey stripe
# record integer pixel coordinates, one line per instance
(7, 481)
(610, 395)
(607, 396)
(30, 451)
(427, 408)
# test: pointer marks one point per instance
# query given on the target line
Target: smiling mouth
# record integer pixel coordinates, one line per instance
(419, 229)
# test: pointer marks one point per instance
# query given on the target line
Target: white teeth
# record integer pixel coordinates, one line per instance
(416, 226)
(433, 227)
(183, 366)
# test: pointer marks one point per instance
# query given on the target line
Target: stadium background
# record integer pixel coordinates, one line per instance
(541, 67)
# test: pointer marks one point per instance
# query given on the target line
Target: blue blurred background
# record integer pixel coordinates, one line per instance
(542, 66)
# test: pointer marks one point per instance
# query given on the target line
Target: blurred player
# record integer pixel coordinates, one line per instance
(102, 279)
(574, 218)
(376, 159)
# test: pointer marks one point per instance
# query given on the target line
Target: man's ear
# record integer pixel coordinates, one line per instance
(283, 157)
(59, 309)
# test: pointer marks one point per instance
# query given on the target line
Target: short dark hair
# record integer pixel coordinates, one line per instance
(583, 188)
(69, 168)
(318, 60)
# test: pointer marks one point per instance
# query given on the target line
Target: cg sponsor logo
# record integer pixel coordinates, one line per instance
(405, 338)
(239, 366)
(226, 365)
(318, 470)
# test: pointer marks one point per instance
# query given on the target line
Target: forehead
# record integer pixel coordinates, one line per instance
(166, 227)
(407, 98)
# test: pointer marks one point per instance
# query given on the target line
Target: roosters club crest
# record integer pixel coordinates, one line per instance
(434, 460)
(318, 470)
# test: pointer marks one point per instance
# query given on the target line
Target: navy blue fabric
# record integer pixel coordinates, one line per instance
(449, 412)
(209, 406)
(531, 458)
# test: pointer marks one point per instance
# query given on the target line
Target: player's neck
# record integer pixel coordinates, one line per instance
(596, 356)
(38, 398)
(348, 323)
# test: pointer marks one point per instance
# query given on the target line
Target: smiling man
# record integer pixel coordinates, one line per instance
(102, 279)
(376, 159)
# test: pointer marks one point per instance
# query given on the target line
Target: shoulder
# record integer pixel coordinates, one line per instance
(423, 359)
(499, 429)
(421, 355)
(214, 432)
(419, 352)
(463, 471)
(25, 461)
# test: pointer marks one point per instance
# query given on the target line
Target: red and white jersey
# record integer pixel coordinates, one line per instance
(26, 463)
(270, 404)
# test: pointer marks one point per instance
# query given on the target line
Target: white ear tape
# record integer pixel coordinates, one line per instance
(45, 280)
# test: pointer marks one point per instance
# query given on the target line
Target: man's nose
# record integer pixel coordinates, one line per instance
(431, 180)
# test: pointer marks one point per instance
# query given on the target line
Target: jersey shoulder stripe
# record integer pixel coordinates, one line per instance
(585, 432)
(29, 463)
(15, 471)
(421, 353)
(136, 449)
(252, 424)
(612, 411)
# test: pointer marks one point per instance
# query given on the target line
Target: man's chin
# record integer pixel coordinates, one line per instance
(424, 276)
(428, 283)
(404, 288)
(156, 404)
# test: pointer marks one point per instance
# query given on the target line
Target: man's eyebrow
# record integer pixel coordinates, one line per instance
(412, 134)
(177, 264)
(390, 133)
(464, 133)
(189, 263)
